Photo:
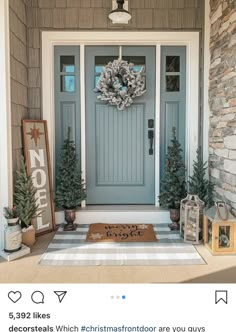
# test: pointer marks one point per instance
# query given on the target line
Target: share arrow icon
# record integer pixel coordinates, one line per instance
(60, 295)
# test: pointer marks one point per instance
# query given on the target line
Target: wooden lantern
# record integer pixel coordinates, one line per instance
(220, 230)
(191, 219)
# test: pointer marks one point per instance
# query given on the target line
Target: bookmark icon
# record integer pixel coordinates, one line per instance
(221, 296)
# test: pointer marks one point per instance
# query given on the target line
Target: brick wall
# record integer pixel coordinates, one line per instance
(222, 96)
(19, 73)
(93, 14)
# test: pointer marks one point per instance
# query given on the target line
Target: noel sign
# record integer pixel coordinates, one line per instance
(38, 165)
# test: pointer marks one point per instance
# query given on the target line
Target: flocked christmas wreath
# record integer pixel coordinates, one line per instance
(120, 84)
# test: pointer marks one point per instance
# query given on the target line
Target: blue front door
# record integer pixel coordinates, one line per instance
(120, 163)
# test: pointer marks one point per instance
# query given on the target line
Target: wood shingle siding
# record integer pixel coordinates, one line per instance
(29, 17)
(61, 14)
(19, 74)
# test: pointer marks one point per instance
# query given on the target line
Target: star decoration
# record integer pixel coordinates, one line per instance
(96, 236)
(143, 226)
(35, 134)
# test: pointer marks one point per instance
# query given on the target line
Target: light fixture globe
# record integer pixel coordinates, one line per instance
(119, 15)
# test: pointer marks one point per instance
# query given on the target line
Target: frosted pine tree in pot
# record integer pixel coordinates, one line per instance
(173, 187)
(70, 190)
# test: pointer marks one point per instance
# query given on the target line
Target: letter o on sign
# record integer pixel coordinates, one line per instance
(39, 178)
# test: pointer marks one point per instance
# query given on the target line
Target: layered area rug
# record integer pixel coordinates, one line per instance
(71, 248)
(121, 233)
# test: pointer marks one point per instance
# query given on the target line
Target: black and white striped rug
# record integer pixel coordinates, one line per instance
(71, 248)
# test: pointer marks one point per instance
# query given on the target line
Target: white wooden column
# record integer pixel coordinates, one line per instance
(157, 123)
(82, 110)
(207, 58)
(5, 116)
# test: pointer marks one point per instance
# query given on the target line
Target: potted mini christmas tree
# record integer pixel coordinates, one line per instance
(198, 183)
(173, 187)
(26, 203)
(70, 185)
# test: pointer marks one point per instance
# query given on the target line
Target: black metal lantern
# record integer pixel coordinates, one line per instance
(119, 15)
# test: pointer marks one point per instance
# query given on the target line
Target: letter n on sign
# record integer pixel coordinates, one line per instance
(38, 164)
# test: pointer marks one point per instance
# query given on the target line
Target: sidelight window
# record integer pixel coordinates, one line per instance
(67, 73)
(172, 73)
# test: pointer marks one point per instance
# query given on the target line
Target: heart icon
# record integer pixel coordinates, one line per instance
(14, 296)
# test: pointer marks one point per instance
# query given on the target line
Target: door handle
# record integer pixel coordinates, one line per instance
(151, 139)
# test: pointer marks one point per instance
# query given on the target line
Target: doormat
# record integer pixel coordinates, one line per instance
(121, 233)
(72, 249)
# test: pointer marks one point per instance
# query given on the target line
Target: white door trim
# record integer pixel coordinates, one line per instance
(188, 39)
(157, 119)
(5, 116)
(206, 81)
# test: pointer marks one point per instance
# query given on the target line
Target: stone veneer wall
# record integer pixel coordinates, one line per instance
(19, 74)
(222, 95)
(93, 14)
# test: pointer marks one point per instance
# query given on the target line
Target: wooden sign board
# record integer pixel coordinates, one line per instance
(37, 158)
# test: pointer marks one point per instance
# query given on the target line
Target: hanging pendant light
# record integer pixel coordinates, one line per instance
(119, 15)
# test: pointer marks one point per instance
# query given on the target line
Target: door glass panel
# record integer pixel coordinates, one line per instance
(138, 68)
(97, 80)
(67, 64)
(172, 64)
(172, 83)
(98, 69)
(67, 83)
(136, 60)
(224, 236)
(101, 61)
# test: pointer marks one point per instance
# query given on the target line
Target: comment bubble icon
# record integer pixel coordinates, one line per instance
(37, 297)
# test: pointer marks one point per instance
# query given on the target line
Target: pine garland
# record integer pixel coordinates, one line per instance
(198, 183)
(120, 84)
(70, 185)
(173, 187)
(24, 197)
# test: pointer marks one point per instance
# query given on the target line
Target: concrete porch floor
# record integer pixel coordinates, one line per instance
(219, 269)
